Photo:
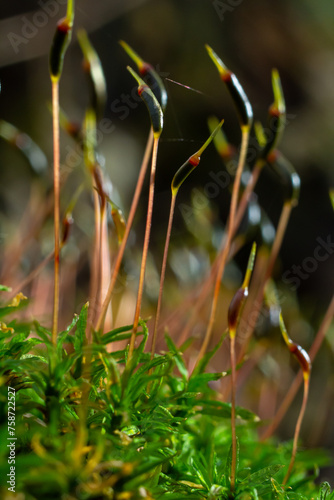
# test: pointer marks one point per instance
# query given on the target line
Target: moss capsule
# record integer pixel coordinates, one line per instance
(119, 221)
(61, 41)
(93, 68)
(235, 309)
(237, 303)
(147, 72)
(298, 352)
(277, 118)
(288, 176)
(241, 102)
(192, 162)
(223, 147)
(152, 104)
(67, 223)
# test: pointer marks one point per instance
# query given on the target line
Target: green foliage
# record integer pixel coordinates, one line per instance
(94, 420)
(88, 428)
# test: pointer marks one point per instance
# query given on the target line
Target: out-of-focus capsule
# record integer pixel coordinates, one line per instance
(237, 303)
(93, 68)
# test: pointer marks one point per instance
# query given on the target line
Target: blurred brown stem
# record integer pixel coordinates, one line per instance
(257, 304)
(117, 265)
(95, 271)
(163, 272)
(244, 200)
(226, 250)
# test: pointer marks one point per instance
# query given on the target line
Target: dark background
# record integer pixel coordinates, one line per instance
(252, 37)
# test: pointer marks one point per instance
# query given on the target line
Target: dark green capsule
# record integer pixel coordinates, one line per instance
(192, 161)
(156, 85)
(61, 41)
(272, 136)
(148, 73)
(277, 118)
(154, 109)
(288, 177)
(96, 79)
(240, 99)
(183, 173)
(152, 104)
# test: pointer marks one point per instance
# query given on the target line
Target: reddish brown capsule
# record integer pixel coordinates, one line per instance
(67, 223)
(302, 357)
(237, 303)
(299, 353)
(235, 308)
(74, 130)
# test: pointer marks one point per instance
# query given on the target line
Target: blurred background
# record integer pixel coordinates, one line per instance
(297, 38)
